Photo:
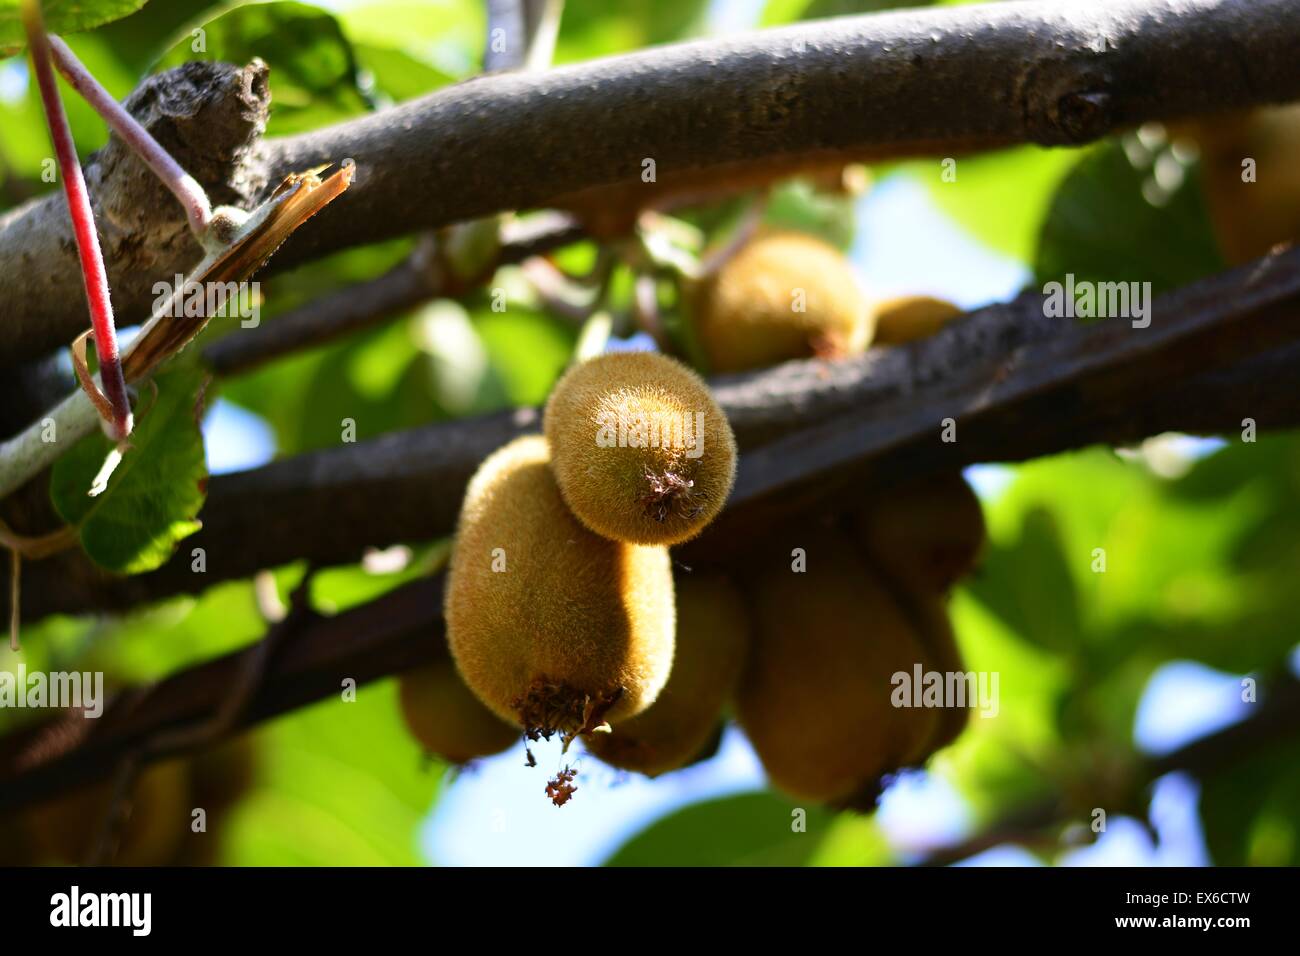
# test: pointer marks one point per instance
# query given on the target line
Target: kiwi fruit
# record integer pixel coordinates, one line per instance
(641, 451)
(712, 637)
(928, 531)
(447, 719)
(66, 830)
(911, 317)
(1250, 218)
(219, 779)
(553, 627)
(783, 295)
(815, 696)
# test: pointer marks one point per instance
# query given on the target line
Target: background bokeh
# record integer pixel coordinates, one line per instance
(1097, 670)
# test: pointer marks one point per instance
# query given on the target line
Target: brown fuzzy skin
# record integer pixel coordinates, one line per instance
(219, 779)
(744, 313)
(642, 495)
(929, 531)
(578, 628)
(911, 317)
(65, 831)
(1250, 217)
(712, 639)
(447, 719)
(815, 698)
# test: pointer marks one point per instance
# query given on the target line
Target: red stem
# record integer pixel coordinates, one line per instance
(183, 186)
(83, 226)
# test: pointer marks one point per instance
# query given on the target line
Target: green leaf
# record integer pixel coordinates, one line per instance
(1129, 212)
(776, 12)
(752, 829)
(341, 784)
(156, 492)
(1029, 586)
(61, 16)
(313, 66)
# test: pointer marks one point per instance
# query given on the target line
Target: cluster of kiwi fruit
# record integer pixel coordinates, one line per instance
(563, 611)
(560, 603)
(155, 825)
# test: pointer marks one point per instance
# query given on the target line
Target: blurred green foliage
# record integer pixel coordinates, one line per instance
(1199, 566)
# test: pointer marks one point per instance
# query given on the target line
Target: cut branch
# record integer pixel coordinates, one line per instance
(1016, 383)
(736, 112)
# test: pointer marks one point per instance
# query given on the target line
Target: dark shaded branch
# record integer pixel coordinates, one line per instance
(935, 81)
(399, 631)
(813, 434)
(404, 629)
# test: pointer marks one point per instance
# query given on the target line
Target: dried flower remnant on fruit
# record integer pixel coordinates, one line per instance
(560, 789)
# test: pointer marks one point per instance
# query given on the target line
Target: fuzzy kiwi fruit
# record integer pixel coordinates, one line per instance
(784, 295)
(712, 636)
(928, 531)
(911, 317)
(158, 817)
(553, 627)
(641, 451)
(1250, 215)
(447, 719)
(815, 698)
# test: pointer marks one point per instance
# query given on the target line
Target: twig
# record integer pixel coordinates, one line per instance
(1017, 384)
(182, 185)
(95, 278)
(254, 239)
(724, 115)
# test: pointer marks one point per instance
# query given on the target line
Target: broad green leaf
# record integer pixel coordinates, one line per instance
(61, 16)
(1029, 586)
(342, 784)
(446, 35)
(752, 829)
(1129, 211)
(313, 67)
(594, 28)
(156, 492)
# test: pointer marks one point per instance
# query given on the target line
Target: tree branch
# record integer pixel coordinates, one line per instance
(1016, 383)
(936, 81)
(399, 631)
(208, 116)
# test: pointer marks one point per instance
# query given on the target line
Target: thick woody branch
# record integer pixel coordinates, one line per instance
(394, 633)
(208, 116)
(1015, 383)
(937, 81)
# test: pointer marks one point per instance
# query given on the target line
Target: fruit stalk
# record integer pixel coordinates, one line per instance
(118, 425)
(198, 210)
